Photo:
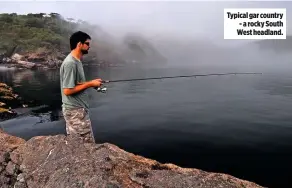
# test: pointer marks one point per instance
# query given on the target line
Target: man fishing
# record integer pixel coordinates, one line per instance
(74, 87)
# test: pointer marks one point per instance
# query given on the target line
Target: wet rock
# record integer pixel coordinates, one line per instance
(7, 114)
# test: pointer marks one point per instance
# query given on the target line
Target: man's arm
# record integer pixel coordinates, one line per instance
(69, 86)
(77, 88)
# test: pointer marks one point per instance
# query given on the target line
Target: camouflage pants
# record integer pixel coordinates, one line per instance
(78, 124)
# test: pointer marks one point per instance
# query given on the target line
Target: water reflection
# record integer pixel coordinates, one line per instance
(43, 87)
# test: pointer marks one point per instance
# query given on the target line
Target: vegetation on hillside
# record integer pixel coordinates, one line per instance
(47, 35)
(34, 31)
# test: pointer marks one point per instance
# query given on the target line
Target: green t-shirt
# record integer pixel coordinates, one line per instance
(71, 73)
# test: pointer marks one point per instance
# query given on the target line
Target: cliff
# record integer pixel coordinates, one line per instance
(60, 161)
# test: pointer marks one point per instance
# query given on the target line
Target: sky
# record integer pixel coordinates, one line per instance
(196, 19)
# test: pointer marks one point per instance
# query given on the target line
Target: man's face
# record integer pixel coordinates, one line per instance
(85, 47)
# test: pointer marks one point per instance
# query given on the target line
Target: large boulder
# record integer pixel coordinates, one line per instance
(60, 161)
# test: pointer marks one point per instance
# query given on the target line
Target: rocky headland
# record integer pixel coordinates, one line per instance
(64, 161)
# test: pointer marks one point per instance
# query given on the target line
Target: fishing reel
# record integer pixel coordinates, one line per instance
(101, 89)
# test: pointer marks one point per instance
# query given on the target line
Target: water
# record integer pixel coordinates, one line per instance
(240, 125)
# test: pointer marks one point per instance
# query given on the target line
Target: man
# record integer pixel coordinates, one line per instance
(74, 87)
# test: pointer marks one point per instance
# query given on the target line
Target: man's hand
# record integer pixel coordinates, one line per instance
(82, 86)
(96, 82)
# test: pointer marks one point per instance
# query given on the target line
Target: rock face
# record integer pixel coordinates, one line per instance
(39, 59)
(60, 161)
(45, 58)
(9, 170)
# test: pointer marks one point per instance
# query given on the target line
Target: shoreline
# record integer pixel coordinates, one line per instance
(11, 101)
(18, 61)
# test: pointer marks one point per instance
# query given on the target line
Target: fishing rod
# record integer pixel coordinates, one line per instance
(103, 89)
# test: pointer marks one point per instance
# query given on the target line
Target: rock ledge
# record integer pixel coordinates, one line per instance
(60, 161)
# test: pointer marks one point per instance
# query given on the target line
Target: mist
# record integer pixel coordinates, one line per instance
(185, 33)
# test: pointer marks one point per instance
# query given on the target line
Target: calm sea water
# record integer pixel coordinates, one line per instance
(240, 125)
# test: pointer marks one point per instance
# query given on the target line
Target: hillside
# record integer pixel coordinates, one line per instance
(34, 32)
(45, 37)
(140, 50)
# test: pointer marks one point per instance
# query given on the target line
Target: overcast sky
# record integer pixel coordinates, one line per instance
(193, 18)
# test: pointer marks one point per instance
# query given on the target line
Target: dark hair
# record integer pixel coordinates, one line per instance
(76, 37)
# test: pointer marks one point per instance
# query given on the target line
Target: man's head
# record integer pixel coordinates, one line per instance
(80, 41)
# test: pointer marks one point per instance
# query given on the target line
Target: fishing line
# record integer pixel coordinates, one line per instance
(183, 76)
(100, 89)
